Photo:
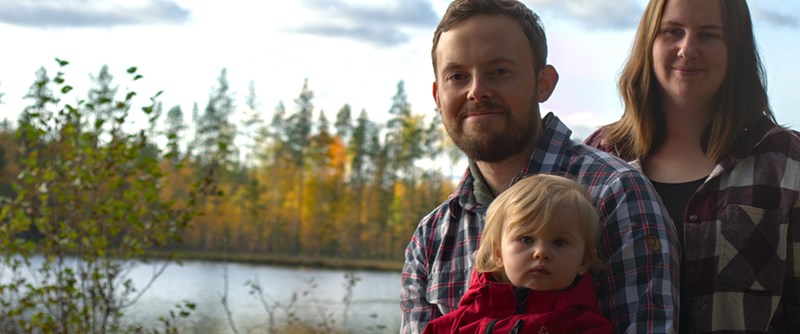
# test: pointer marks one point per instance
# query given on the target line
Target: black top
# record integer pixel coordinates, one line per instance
(675, 197)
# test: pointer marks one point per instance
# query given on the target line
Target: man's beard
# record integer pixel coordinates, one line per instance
(493, 146)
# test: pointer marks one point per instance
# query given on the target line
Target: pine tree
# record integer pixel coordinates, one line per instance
(156, 111)
(175, 127)
(344, 126)
(100, 103)
(42, 96)
(299, 124)
(405, 138)
(252, 122)
(359, 150)
(277, 137)
(215, 134)
(299, 127)
(320, 144)
(40, 91)
(191, 144)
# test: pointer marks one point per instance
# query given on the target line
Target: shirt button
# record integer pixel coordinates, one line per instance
(693, 218)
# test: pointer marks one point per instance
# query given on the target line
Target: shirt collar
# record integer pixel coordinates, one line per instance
(548, 155)
(483, 194)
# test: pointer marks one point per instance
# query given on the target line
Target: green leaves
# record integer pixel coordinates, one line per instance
(132, 70)
(88, 194)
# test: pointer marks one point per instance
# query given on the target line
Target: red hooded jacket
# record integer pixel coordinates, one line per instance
(492, 307)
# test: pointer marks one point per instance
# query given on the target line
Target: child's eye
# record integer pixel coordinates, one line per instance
(526, 240)
(560, 242)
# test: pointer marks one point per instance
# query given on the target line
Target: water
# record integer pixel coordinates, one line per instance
(374, 307)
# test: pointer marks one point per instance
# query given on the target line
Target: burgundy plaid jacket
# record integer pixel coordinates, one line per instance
(742, 237)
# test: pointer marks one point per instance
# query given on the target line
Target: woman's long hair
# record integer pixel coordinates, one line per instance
(741, 100)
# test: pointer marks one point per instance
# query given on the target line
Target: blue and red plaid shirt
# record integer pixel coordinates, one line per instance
(638, 289)
(741, 239)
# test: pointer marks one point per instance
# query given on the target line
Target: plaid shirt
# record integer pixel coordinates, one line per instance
(742, 238)
(637, 292)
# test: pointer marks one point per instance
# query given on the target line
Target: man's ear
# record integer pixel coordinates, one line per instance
(436, 97)
(548, 78)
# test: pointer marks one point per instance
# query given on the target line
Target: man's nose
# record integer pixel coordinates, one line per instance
(479, 89)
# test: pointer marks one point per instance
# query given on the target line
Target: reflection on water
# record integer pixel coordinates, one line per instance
(374, 308)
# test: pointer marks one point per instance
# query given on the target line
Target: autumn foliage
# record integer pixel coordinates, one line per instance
(287, 181)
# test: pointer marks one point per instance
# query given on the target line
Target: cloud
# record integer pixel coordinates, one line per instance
(593, 14)
(774, 17)
(377, 25)
(90, 13)
(373, 34)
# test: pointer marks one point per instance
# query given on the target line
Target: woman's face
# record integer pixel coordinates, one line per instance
(690, 56)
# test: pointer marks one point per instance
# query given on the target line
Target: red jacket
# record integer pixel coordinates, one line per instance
(491, 307)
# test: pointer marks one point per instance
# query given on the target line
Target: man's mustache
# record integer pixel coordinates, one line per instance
(472, 107)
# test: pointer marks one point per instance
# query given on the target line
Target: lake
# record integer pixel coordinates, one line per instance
(375, 306)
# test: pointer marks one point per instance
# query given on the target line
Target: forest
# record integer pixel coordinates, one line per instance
(86, 194)
(301, 184)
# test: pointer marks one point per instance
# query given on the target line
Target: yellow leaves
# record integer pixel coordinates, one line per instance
(338, 158)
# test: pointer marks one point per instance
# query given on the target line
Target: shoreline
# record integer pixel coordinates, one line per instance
(281, 260)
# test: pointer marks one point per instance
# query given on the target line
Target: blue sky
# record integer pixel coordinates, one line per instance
(351, 51)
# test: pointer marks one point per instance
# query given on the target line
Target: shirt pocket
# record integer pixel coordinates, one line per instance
(751, 245)
(445, 288)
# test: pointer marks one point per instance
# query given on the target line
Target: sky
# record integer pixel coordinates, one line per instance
(350, 51)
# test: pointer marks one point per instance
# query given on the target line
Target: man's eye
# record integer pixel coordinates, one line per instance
(501, 71)
(456, 77)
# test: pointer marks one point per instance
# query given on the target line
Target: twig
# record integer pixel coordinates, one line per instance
(224, 298)
(156, 274)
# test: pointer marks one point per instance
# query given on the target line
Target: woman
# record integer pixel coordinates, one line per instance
(697, 122)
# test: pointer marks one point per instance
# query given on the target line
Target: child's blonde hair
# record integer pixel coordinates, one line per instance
(530, 205)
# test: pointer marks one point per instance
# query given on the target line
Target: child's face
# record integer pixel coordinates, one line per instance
(546, 261)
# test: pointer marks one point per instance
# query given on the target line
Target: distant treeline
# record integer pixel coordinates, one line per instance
(294, 184)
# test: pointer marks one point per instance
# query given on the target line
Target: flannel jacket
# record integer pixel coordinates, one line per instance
(637, 291)
(742, 237)
(493, 307)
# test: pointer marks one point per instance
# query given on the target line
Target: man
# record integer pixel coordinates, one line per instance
(489, 60)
